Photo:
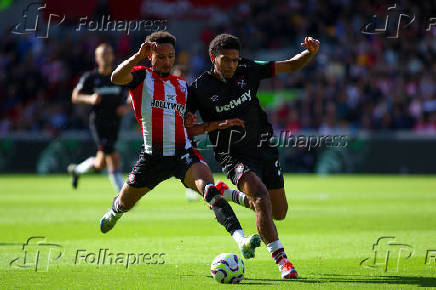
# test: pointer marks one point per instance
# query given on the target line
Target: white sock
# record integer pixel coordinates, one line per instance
(85, 166)
(117, 180)
(274, 246)
(238, 235)
(116, 207)
(234, 195)
(277, 252)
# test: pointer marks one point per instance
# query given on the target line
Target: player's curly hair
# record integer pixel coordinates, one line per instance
(224, 41)
(162, 37)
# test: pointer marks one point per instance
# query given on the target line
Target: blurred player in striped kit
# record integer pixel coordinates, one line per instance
(159, 102)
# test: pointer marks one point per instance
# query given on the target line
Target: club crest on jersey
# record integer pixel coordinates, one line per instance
(132, 177)
(214, 98)
(239, 168)
(187, 158)
(182, 89)
(241, 82)
(245, 97)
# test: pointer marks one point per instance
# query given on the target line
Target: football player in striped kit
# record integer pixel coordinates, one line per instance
(159, 102)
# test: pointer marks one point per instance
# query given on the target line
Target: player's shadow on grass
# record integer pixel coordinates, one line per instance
(333, 278)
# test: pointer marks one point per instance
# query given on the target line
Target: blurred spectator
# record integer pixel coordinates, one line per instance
(357, 81)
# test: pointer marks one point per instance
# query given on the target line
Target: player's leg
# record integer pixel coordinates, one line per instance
(253, 186)
(98, 134)
(99, 161)
(91, 164)
(121, 204)
(272, 177)
(274, 182)
(128, 197)
(227, 193)
(199, 177)
(233, 195)
(279, 203)
(113, 167)
(145, 175)
(111, 156)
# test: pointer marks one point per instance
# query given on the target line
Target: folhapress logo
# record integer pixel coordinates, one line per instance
(32, 22)
(37, 255)
(388, 254)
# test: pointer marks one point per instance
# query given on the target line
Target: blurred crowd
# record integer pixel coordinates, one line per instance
(356, 82)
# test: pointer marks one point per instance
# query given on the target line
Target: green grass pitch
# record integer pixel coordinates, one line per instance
(331, 227)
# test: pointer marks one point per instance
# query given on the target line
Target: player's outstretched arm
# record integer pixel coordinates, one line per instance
(299, 60)
(122, 74)
(203, 128)
(85, 99)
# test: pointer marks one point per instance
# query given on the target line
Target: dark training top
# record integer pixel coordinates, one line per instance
(112, 96)
(236, 98)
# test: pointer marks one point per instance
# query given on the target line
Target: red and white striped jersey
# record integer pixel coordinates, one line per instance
(160, 105)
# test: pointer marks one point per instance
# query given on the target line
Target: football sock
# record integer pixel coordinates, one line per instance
(277, 252)
(211, 194)
(223, 211)
(116, 207)
(117, 180)
(238, 236)
(85, 166)
(235, 196)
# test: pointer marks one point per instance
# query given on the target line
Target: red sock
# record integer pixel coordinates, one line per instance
(279, 255)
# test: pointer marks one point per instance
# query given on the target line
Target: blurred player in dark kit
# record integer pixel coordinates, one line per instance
(109, 104)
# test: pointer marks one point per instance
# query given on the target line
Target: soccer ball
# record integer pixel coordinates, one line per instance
(227, 268)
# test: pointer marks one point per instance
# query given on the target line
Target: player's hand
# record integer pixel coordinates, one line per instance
(95, 99)
(190, 119)
(146, 49)
(311, 44)
(231, 123)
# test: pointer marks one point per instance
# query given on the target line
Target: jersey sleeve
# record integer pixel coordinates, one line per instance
(139, 73)
(85, 85)
(261, 69)
(191, 103)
